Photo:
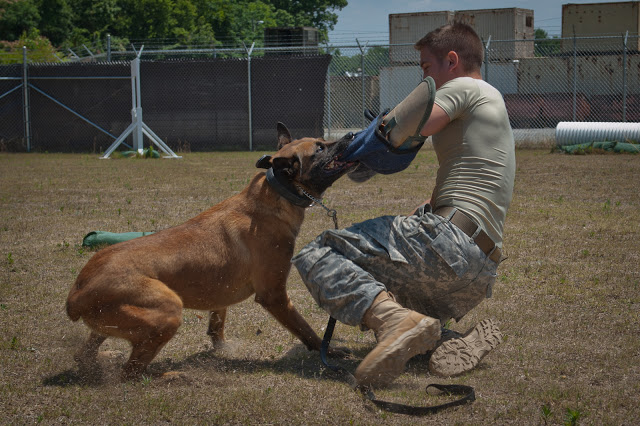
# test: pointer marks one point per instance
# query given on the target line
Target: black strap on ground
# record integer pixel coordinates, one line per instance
(467, 392)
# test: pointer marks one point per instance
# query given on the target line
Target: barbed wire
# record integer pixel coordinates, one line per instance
(98, 50)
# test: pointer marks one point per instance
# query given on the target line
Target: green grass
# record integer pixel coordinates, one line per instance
(566, 299)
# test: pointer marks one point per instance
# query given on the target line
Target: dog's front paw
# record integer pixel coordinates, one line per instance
(218, 344)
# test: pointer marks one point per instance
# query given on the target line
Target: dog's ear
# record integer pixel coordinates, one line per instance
(286, 165)
(264, 162)
(284, 137)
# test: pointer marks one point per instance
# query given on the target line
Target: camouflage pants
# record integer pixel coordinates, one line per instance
(429, 264)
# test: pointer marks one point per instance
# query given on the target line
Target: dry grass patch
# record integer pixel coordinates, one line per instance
(567, 299)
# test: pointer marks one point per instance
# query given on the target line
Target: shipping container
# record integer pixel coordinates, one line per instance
(541, 75)
(592, 19)
(502, 75)
(596, 75)
(305, 37)
(407, 28)
(396, 82)
(502, 24)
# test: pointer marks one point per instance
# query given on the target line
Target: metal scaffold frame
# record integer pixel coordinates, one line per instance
(138, 128)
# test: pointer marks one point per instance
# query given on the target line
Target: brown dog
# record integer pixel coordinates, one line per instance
(136, 289)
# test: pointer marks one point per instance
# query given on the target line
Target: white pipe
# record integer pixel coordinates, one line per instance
(572, 133)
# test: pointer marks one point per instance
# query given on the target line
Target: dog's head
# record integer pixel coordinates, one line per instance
(310, 163)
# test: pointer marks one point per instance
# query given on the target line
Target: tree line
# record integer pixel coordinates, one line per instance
(50, 25)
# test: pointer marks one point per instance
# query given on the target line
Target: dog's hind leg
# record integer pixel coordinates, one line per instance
(216, 326)
(148, 319)
(87, 354)
(154, 328)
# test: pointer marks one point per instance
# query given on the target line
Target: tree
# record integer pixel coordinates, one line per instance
(96, 19)
(39, 48)
(219, 14)
(375, 57)
(314, 13)
(56, 20)
(17, 18)
(545, 46)
(148, 18)
(185, 16)
(251, 19)
(69, 23)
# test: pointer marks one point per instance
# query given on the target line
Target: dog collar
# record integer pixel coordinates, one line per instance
(287, 193)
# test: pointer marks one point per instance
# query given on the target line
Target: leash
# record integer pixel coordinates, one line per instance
(332, 213)
(467, 392)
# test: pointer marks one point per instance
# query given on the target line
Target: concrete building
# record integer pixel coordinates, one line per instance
(591, 19)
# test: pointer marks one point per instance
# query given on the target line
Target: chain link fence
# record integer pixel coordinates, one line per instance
(543, 82)
(212, 99)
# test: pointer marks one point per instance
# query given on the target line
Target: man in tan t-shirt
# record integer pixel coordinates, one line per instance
(405, 276)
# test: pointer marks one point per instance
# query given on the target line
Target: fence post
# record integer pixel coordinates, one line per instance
(362, 49)
(486, 60)
(624, 79)
(26, 107)
(249, 92)
(329, 95)
(138, 140)
(108, 47)
(575, 73)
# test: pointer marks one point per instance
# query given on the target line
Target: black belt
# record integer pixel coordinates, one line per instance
(469, 227)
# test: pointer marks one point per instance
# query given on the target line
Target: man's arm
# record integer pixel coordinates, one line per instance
(437, 121)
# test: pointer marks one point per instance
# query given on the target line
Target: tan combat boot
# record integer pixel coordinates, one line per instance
(463, 353)
(401, 334)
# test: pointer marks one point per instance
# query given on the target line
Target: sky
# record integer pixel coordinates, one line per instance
(368, 20)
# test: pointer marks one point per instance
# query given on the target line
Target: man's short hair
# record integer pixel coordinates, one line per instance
(458, 37)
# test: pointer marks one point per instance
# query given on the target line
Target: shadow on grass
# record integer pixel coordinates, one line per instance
(297, 361)
(74, 378)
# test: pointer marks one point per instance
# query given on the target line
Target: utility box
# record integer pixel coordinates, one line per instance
(303, 40)
(511, 26)
(407, 28)
(591, 19)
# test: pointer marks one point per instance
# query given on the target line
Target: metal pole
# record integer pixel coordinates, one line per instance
(90, 52)
(575, 73)
(74, 54)
(25, 99)
(329, 96)
(486, 60)
(363, 87)
(108, 47)
(624, 80)
(137, 112)
(249, 92)
(362, 49)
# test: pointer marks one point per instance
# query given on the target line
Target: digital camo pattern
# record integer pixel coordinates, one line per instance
(429, 264)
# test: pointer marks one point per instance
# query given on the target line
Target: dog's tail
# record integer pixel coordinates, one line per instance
(72, 306)
(73, 314)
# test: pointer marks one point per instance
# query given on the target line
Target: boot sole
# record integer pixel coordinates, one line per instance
(390, 363)
(457, 356)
